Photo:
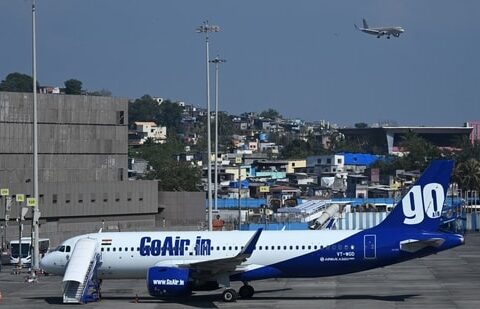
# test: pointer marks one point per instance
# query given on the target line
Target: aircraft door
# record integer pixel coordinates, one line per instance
(370, 246)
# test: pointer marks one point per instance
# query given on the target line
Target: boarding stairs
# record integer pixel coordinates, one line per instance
(81, 283)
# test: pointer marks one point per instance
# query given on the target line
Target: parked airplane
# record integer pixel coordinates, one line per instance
(380, 31)
(177, 263)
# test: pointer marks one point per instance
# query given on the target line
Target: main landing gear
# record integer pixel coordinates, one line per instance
(230, 295)
(246, 291)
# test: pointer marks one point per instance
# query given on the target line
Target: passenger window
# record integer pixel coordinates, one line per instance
(230, 248)
(132, 249)
(284, 247)
(303, 247)
(223, 248)
(114, 249)
(296, 247)
(108, 249)
(266, 247)
(260, 248)
(236, 248)
(218, 248)
(102, 249)
(309, 247)
(120, 249)
(126, 249)
(291, 247)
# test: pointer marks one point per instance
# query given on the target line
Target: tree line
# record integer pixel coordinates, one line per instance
(18, 82)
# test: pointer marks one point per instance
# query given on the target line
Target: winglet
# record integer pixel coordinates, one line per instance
(250, 246)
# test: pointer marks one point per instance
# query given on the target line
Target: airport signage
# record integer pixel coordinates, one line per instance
(31, 202)
(4, 192)
(20, 197)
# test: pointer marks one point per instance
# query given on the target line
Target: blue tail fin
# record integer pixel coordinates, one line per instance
(421, 207)
(365, 25)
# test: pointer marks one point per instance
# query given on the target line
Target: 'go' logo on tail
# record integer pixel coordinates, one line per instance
(417, 203)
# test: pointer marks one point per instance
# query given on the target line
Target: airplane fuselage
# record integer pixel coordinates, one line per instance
(129, 255)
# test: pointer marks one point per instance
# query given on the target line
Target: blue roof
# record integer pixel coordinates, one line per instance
(232, 203)
(359, 158)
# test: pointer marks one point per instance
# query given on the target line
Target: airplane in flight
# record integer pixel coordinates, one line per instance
(381, 31)
(174, 264)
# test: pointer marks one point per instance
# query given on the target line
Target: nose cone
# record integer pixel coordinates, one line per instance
(49, 263)
(45, 262)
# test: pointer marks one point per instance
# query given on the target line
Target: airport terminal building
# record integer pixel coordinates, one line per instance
(82, 155)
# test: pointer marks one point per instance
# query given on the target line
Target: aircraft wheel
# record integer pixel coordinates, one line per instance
(229, 295)
(246, 291)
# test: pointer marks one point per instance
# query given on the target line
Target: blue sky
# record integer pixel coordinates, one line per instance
(302, 58)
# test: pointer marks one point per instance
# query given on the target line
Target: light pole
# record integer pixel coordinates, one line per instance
(36, 212)
(217, 61)
(206, 29)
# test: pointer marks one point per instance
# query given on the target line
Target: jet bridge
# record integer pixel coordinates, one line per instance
(317, 213)
(81, 284)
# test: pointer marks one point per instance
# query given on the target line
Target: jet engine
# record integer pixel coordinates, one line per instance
(168, 281)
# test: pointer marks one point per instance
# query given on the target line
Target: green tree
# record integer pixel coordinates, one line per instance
(225, 131)
(73, 86)
(420, 152)
(361, 125)
(166, 114)
(170, 116)
(467, 174)
(100, 93)
(270, 114)
(176, 176)
(17, 82)
(171, 174)
(143, 109)
(300, 149)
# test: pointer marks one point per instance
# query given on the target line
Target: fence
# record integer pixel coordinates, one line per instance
(364, 220)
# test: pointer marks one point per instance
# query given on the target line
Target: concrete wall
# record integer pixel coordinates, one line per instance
(182, 208)
(83, 149)
(80, 138)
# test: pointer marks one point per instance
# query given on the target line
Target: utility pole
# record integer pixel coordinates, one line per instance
(216, 61)
(36, 212)
(239, 194)
(206, 29)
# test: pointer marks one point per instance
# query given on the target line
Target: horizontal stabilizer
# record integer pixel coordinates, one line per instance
(413, 245)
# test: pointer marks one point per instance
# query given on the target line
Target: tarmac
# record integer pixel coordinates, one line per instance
(450, 279)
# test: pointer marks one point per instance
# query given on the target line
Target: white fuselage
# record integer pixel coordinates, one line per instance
(128, 255)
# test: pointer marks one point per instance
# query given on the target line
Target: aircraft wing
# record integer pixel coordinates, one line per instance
(413, 245)
(373, 31)
(209, 268)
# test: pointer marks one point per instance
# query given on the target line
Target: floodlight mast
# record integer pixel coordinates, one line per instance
(206, 28)
(217, 61)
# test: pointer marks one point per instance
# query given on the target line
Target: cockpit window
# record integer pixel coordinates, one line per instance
(61, 249)
(67, 249)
